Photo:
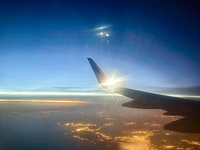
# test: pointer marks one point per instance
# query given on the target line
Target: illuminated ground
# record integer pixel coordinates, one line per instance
(87, 123)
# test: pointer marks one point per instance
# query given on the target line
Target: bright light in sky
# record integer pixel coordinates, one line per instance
(101, 33)
(113, 82)
(43, 54)
(48, 51)
(103, 27)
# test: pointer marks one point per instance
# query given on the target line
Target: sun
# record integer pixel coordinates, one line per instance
(113, 82)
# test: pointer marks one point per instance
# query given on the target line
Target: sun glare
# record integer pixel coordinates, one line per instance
(113, 82)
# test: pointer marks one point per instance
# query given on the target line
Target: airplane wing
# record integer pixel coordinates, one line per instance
(145, 100)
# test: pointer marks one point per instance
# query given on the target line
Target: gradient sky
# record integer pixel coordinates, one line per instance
(44, 44)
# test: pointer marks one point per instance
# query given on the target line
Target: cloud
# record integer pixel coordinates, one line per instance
(184, 91)
(79, 89)
(41, 101)
(58, 93)
(69, 88)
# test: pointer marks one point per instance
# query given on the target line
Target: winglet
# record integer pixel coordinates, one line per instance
(101, 77)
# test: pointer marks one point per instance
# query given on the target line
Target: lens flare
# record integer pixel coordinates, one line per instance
(113, 82)
(102, 27)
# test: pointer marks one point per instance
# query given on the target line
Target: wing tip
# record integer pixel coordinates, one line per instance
(89, 58)
(101, 77)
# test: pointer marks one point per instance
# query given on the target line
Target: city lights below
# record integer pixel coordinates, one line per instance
(94, 124)
(100, 75)
(130, 139)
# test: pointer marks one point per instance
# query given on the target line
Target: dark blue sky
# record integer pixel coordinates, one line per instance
(44, 44)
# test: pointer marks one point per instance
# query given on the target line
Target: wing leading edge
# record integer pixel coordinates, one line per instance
(146, 100)
(101, 77)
